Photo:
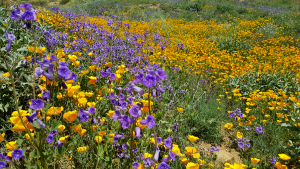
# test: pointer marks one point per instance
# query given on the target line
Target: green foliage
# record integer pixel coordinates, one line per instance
(261, 81)
(223, 8)
(231, 44)
(64, 1)
(195, 6)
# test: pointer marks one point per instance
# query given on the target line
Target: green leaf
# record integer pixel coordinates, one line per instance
(19, 142)
(33, 154)
(36, 126)
(100, 150)
(55, 124)
(47, 106)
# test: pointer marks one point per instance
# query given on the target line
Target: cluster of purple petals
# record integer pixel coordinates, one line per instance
(236, 113)
(36, 104)
(27, 16)
(51, 135)
(242, 142)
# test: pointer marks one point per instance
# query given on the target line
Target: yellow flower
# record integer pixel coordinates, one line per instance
(180, 109)
(82, 149)
(82, 101)
(72, 58)
(2, 137)
(11, 145)
(93, 67)
(193, 138)
(191, 165)
(61, 128)
(192, 152)
(284, 157)
(82, 132)
(77, 128)
(54, 111)
(63, 139)
(92, 80)
(98, 139)
(146, 155)
(110, 113)
(184, 160)
(228, 126)
(255, 161)
(211, 165)
(239, 135)
(102, 133)
(28, 137)
(70, 116)
(5, 74)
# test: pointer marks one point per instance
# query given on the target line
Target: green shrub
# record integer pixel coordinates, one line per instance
(64, 1)
(224, 8)
(197, 7)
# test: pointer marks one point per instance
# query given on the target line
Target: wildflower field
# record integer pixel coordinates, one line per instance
(160, 84)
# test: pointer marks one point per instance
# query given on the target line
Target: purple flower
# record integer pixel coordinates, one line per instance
(32, 116)
(138, 132)
(2, 164)
(124, 146)
(1, 156)
(83, 116)
(16, 13)
(135, 111)
(112, 76)
(273, 160)
(92, 110)
(138, 78)
(159, 140)
(135, 150)
(17, 154)
(135, 165)
(71, 77)
(46, 94)
(53, 132)
(163, 165)
(103, 74)
(149, 121)
(125, 121)
(117, 115)
(58, 144)
(41, 124)
(28, 15)
(149, 80)
(63, 72)
(182, 91)
(37, 104)
(148, 162)
(212, 149)
(26, 6)
(10, 37)
(260, 130)
(135, 88)
(241, 145)
(161, 74)
(114, 102)
(248, 128)
(7, 158)
(175, 126)
(156, 155)
(168, 142)
(50, 138)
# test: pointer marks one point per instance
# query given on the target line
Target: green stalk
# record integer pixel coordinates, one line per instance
(17, 108)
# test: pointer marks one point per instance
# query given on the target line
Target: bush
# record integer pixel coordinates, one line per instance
(64, 1)
(224, 8)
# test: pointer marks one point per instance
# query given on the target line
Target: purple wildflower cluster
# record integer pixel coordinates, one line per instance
(243, 142)
(236, 113)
